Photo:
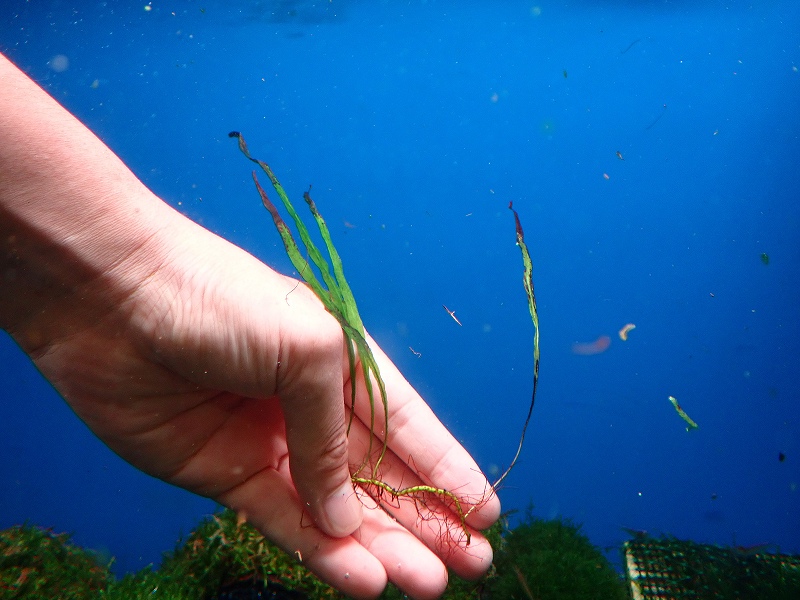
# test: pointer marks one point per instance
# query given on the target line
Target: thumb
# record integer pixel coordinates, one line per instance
(316, 434)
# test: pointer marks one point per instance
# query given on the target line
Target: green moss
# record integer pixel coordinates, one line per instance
(557, 561)
(552, 559)
(220, 551)
(37, 563)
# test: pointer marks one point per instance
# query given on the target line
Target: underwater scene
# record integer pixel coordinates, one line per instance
(650, 150)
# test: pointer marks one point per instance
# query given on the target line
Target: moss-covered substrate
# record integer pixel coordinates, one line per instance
(222, 558)
(548, 559)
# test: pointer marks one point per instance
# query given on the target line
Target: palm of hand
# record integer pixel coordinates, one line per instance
(156, 396)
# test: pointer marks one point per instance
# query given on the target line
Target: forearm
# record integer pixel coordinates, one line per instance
(70, 211)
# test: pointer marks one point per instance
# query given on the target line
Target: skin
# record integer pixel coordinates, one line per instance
(184, 354)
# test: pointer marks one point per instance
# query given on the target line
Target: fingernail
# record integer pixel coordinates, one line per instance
(343, 511)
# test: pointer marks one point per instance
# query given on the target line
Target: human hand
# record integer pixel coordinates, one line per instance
(217, 374)
(201, 366)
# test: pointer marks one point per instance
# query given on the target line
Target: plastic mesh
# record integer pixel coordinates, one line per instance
(667, 568)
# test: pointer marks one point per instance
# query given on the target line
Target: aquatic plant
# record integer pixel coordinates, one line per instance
(337, 297)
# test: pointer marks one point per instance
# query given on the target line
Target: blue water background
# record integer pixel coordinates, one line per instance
(417, 123)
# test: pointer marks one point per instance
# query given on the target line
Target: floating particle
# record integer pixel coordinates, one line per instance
(683, 415)
(59, 63)
(452, 313)
(623, 333)
(631, 45)
(601, 344)
(765, 258)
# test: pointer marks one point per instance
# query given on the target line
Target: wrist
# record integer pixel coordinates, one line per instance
(77, 228)
(61, 277)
